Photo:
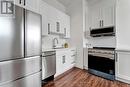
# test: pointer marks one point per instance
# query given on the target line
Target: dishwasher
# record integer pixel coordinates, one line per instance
(48, 65)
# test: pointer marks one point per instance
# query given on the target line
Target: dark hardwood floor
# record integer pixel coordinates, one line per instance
(80, 78)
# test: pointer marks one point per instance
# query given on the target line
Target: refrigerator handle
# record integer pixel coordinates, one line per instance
(25, 32)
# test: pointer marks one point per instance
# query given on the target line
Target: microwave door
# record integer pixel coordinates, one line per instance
(32, 34)
(12, 35)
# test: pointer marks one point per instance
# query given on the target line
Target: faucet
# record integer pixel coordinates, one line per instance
(54, 40)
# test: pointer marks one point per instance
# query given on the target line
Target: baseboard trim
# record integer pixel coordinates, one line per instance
(123, 80)
(63, 74)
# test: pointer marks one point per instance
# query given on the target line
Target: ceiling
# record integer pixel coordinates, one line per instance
(66, 2)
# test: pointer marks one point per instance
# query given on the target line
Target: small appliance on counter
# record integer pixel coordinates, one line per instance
(66, 45)
(48, 66)
(101, 62)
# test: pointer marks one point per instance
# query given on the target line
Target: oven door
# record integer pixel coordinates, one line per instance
(102, 64)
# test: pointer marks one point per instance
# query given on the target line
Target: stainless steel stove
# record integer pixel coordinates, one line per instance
(101, 62)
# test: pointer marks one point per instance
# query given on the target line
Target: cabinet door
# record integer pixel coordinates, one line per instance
(66, 62)
(52, 25)
(108, 16)
(45, 25)
(95, 18)
(33, 5)
(60, 18)
(59, 64)
(67, 26)
(122, 66)
(18, 2)
(44, 8)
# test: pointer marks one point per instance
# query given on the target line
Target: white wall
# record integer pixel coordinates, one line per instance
(102, 41)
(56, 4)
(75, 10)
(86, 23)
(85, 19)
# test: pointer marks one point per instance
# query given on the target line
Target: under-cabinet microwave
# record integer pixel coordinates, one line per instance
(107, 31)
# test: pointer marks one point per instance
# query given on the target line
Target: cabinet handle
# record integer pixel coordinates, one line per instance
(24, 2)
(63, 59)
(65, 31)
(102, 23)
(20, 1)
(58, 26)
(48, 28)
(116, 57)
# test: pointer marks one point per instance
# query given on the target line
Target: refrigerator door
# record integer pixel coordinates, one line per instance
(29, 81)
(11, 36)
(33, 34)
(16, 69)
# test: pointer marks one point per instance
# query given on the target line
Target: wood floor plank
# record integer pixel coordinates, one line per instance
(81, 78)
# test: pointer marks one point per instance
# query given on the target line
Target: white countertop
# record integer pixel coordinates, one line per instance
(123, 49)
(61, 49)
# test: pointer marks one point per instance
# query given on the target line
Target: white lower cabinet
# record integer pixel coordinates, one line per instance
(65, 60)
(59, 64)
(123, 66)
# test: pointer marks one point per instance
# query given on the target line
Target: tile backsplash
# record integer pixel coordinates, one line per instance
(47, 41)
(103, 41)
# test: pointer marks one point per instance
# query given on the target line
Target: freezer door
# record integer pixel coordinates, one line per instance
(33, 34)
(16, 69)
(33, 80)
(11, 36)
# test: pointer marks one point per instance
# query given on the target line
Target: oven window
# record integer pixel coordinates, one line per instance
(101, 64)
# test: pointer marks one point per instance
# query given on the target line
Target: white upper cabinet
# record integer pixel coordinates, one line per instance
(54, 21)
(45, 26)
(108, 16)
(32, 5)
(19, 2)
(95, 18)
(102, 14)
(66, 26)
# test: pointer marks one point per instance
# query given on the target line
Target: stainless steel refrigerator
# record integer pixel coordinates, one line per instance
(20, 49)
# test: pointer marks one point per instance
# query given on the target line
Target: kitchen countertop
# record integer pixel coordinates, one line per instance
(123, 50)
(61, 49)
